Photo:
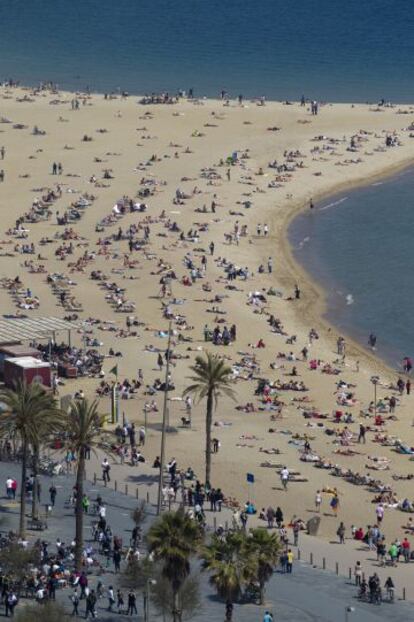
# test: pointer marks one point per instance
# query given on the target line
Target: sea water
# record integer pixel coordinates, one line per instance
(358, 246)
(332, 50)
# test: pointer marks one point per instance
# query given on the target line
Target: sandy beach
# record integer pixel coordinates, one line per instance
(204, 166)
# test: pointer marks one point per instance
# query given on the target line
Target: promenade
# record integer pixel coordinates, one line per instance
(308, 594)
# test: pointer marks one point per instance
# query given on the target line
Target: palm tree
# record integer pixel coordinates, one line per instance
(84, 427)
(172, 540)
(211, 380)
(226, 560)
(28, 408)
(263, 548)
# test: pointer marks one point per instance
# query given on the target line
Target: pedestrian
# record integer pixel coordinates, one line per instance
(289, 562)
(340, 532)
(358, 573)
(117, 560)
(335, 504)
(106, 467)
(284, 477)
(408, 386)
(85, 503)
(270, 265)
(268, 617)
(296, 530)
(141, 435)
(11, 602)
(90, 605)
(83, 582)
(361, 436)
(120, 601)
(132, 603)
(52, 493)
(54, 168)
(405, 546)
(2, 152)
(379, 511)
(111, 598)
(75, 603)
(318, 500)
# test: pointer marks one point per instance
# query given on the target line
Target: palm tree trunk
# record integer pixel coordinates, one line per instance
(22, 524)
(176, 610)
(262, 593)
(209, 422)
(80, 473)
(35, 463)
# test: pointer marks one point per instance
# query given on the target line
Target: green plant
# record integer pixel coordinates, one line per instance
(211, 379)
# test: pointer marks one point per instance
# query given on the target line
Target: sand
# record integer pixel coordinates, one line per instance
(133, 133)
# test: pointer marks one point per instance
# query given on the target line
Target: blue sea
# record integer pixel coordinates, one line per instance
(337, 50)
(359, 246)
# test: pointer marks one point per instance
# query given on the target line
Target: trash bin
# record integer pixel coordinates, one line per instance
(313, 525)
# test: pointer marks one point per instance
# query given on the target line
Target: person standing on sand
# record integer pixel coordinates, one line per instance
(335, 504)
(2, 152)
(341, 533)
(318, 500)
(284, 477)
(408, 386)
(361, 437)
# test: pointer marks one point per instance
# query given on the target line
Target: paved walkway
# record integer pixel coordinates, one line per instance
(307, 594)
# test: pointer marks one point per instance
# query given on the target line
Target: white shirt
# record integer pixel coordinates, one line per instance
(284, 474)
(9, 483)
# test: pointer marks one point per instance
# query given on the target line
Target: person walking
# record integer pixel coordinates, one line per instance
(318, 500)
(90, 605)
(284, 477)
(75, 603)
(361, 436)
(289, 563)
(106, 467)
(117, 560)
(335, 503)
(111, 598)
(120, 601)
(296, 530)
(340, 532)
(52, 494)
(132, 603)
(358, 573)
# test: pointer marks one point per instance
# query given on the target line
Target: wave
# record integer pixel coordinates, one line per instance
(338, 202)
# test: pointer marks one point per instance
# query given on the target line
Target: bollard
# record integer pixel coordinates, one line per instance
(215, 523)
(311, 559)
(136, 493)
(336, 567)
(298, 554)
(404, 595)
(94, 479)
(226, 526)
(147, 496)
(350, 574)
(126, 489)
(115, 485)
(323, 563)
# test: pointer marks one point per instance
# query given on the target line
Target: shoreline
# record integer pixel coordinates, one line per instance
(318, 294)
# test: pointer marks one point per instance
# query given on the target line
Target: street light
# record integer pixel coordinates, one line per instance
(147, 600)
(375, 381)
(348, 610)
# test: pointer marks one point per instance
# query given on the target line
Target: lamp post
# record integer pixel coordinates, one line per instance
(147, 599)
(375, 380)
(164, 424)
